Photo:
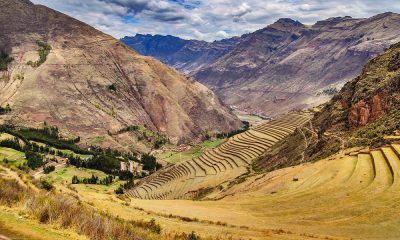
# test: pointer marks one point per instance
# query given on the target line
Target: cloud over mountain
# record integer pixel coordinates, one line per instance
(207, 19)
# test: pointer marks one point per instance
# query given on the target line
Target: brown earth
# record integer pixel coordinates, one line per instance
(72, 88)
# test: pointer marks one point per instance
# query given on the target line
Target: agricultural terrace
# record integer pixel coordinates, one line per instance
(215, 166)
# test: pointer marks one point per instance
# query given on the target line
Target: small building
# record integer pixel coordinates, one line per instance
(132, 166)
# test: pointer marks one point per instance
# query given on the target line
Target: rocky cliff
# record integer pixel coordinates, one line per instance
(368, 107)
(88, 84)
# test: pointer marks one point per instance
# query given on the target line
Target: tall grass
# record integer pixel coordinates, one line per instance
(65, 211)
(68, 212)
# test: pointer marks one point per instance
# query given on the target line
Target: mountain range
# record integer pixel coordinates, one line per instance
(286, 65)
(89, 84)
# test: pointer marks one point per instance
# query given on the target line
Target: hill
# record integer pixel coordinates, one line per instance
(365, 113)
(289, 65)
(61, 71)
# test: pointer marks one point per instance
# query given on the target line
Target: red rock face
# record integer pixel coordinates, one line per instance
(368, 111)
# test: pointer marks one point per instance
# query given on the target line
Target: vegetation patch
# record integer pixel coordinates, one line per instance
(5, 110)
(145, 134)
(44, 50)
(246, 126)
(4, 61)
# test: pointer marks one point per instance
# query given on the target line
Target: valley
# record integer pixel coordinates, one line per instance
(99, 140)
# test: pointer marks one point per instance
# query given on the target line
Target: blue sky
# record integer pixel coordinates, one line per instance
(208, 19)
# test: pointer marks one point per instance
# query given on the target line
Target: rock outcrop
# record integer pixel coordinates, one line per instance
(367, 99)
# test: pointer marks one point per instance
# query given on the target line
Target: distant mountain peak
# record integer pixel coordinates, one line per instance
(286, 24)
(385, 15)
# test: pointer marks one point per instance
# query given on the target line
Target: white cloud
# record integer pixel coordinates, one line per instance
(208, 19)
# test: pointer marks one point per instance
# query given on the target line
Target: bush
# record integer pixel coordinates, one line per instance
(4, 61)
(5, 110)
(49, 169)
(193, 236)
(44, 184)
(112, 87)
(119, 191)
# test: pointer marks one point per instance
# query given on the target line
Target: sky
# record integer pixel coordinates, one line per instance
(208, 19)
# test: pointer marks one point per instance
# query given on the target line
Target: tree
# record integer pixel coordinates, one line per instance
(48, 169)
(35, 160)
(119, 190)
(75, 180)
(149, 162)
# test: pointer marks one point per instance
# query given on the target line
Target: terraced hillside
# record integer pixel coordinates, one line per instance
(219, 165)
(353, 195)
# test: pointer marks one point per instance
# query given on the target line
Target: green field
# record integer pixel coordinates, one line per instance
(64, 176)
(14, 157)
(65, 151)
(195, 151)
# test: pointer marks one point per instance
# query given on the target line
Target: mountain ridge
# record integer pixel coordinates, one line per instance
(90, 84)
(288, 65)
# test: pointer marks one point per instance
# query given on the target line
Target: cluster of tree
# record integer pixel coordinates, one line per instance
(132, 128)
(103, 163)
(125, 186)
(49, 169)
(5, 110)
(234, 132)
(34, 159)
(49, 136)
(125, 175)
(106, 160)
(11, 143)
(93, 180)
(330, 91)
(4, 61)
(157, 139)
(14, 143)
(150, 163)
(159, 143)
(44, 50)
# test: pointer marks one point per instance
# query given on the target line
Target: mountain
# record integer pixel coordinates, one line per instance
(87, 83)
(364, 115)
(368, 107)
(289, 65)
(185, 55)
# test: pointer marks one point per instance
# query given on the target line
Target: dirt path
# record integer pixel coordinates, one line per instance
(40, 172)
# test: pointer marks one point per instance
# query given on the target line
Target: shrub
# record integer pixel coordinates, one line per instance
(44, 184)
(193, 236)
(49, 169)
(119, 191)
(112, 87)
(6, 109)
(44, 50)
(4, 61)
